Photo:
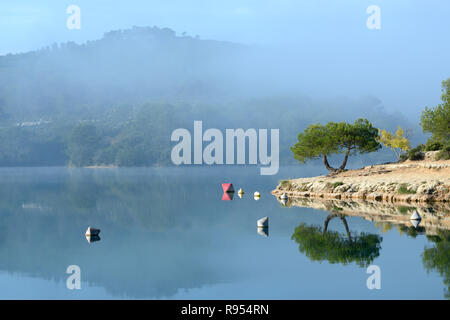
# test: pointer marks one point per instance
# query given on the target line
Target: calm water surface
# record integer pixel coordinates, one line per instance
(167, 234)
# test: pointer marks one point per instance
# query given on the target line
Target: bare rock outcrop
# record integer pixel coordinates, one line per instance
(408, 182)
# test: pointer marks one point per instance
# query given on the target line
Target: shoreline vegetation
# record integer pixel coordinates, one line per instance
(406, 182)
(74, 104)
(420, 175)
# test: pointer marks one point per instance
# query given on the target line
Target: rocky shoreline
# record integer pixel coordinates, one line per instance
(434, 216)
(407, 182)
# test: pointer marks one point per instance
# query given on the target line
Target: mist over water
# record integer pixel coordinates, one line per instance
(167, 234)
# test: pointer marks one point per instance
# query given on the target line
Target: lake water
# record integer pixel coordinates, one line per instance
(167, 234)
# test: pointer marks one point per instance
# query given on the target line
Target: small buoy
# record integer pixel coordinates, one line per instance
(240, 191)
(227, 187)
(92, 231)
(240, 195)
(415, 216)
(263, 231)
(263, 222)
(284, 196)
(90, 238)
(415, 223)
(257, 194)
(228, 196)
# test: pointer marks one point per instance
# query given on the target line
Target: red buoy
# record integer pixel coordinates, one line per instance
(227, 187)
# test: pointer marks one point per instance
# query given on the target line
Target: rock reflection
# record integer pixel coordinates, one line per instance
(434, 216)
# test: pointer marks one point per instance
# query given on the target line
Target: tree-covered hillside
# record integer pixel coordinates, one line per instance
(115, 101)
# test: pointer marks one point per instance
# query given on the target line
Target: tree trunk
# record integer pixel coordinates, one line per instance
(344, 221)
(327, 165)
(327, 220)
(344, 163)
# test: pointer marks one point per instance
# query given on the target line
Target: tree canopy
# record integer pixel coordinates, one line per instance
(162, 82)
(396, 142)
(436, 120)
(333, 138)
(82, 144)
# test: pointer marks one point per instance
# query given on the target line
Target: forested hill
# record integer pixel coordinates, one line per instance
(128, 66)
(116, 100)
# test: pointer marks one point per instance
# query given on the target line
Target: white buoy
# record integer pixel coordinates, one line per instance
(263, 222)
(240, 191)
(264, 232)
(90, 238)
(415, 223)
(92, 231)
(284, 196)
(415, 216)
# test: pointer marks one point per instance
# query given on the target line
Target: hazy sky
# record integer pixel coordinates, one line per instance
(327, 42)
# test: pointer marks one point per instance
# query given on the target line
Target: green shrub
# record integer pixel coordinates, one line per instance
(403, 189)
(416, 153)
(433, 146)
(405, 209)
(337, 184)
(444, 154)
(403, 157)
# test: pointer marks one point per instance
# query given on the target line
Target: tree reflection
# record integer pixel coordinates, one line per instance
(320, 244)
(438, 257)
